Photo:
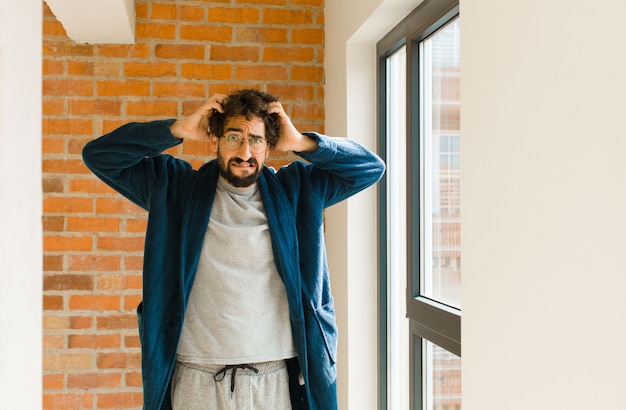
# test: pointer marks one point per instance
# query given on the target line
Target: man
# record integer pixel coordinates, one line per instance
(235, 281)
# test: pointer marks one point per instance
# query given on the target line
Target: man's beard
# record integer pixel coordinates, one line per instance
(234, 180)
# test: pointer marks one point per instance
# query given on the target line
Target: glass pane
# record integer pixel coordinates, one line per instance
(398, 326)
(441, 165)
(442, 379)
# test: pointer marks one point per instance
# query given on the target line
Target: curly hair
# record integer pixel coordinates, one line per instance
(247, 103)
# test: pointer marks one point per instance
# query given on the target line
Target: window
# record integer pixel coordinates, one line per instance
(420, 138)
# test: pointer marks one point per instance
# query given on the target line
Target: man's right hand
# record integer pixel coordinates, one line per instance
(196, 125)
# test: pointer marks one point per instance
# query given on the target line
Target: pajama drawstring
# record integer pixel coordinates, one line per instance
(220, 375)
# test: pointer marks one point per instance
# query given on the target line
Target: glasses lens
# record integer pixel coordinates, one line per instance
(257, 145)
(234, 142)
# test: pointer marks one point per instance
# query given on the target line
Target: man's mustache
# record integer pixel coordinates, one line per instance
(238, 160)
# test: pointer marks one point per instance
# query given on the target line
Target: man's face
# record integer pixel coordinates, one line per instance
(239, 165)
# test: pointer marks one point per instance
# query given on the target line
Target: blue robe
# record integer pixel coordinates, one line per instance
(178, 200)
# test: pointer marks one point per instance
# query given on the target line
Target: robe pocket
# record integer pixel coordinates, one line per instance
(325, 316)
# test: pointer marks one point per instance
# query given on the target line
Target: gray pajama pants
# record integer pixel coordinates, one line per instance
(257, 386)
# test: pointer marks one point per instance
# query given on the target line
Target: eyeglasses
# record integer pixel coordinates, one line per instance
(257, 145)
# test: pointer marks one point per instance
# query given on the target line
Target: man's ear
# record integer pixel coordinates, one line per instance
(214, 140)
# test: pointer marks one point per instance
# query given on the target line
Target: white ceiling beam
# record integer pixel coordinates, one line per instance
(96, 21)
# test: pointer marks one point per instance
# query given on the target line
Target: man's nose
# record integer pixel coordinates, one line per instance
(244, 149)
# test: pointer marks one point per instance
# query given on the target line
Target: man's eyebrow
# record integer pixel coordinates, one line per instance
(240, 130)
(233, 129)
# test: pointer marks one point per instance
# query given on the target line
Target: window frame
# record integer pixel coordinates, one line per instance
(429, 320)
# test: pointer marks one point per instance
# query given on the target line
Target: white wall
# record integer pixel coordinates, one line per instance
(544, 194)
(543, 204)
(20, 205)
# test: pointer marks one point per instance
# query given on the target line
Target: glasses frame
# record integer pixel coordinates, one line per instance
(234, 146)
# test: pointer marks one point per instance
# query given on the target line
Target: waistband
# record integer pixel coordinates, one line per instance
(243, 368)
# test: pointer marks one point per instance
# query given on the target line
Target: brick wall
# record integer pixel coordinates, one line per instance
(184, 52)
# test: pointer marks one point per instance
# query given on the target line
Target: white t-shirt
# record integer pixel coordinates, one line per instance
(238, 311)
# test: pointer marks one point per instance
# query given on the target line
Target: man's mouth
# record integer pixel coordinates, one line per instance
(239, 163)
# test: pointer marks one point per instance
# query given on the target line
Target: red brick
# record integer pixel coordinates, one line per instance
(111, 282)
(94, 68)
(287, 16)
(81, 322)
(163, 11)
(66, 361)
(53, 185)
(192, 13)
(119, 361)
(132, 301)
(92, 224)
(53, 223)
(98, 106)
(67, 126)
(154, 31)
(179, 89)
(67, 401)
(262, 72)
(263, 2)
(202, 71)
(288, 54)
(313, 74)
(114, 88)
(100, 263)
(120, 400)
(51, 342)
(263, 35)
(94, 302)
(206, 32)
(133, 379)
(234, 53)
(52, 263)
(139, 49)
(90, 185)
(52, 67)
(180, 51)
(67, 282)
(67, 204)
(63, 166)
(93, 341)
(67, 87)
(141, 11)
(116, 205)
(54, 243)
(116, 243)
(53, 28)
(53, 381)
(52, 302)
(291, 92)
(133, 263)
(117, 322)
(233, 15)
(63, 47)
(307, 36)
(93, 380)
(75, 145)
(149, 69)
(53, 106)
(308, 111)
(53, 146)
(312, 3)
(132, 341)
(136, 225)
(152, 108)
